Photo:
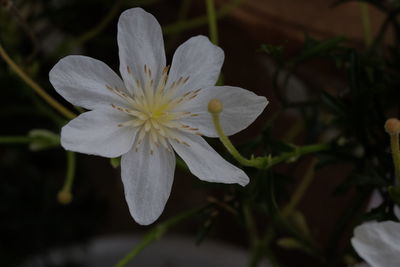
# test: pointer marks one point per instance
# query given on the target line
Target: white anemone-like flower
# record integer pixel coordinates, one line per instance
(152, 111)
(378, 243)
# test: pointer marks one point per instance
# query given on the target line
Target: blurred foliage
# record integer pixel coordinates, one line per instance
(38, 33)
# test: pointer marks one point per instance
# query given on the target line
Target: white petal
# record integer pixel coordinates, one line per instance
(240, 108)
(198, 59)
(205, 163)
(147, 181)
(140, 42)
(83, 82)
(96, 132)
(378, 243)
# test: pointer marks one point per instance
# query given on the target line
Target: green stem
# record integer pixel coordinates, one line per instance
(155, 234)
(199, 21)
(230, 147)
(65, 195)
(250, 225)
(212, 21)
(298, 152)
(15, 139)
(71, 166)
(40, 91)
(366, 24)
(394, 145)
(263, 162)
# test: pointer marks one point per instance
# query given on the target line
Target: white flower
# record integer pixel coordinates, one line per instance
(152, 111)
(378, 243)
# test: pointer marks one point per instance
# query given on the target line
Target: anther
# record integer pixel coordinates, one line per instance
(186, 144)
(138, 83)
(166, 69)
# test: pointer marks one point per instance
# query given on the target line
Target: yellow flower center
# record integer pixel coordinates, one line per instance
(152, 109)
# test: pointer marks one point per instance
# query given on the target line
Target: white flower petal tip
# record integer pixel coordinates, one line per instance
(205, 163)
(97, 133)
(140, 43)
(198, 59)
(147, 179)
(378, 243)
(83, 82)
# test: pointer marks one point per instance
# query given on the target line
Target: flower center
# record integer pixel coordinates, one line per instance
(152, 108)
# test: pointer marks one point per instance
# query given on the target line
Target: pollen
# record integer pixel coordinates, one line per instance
(153, 109)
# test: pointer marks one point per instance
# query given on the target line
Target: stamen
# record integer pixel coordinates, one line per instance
(132, 112)
(153, 109)
(186, 144)
(124, 124)
(163, 142)
(147, 126)
(166, 69)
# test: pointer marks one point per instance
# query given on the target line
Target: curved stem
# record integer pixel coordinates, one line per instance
(212, 21)
(71, 166)
(230, 147)
(40, 91)
(155, 234)
(64, 195)
(263, 162)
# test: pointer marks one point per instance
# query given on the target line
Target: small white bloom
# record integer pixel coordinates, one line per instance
(378, 243)
(152, 111)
